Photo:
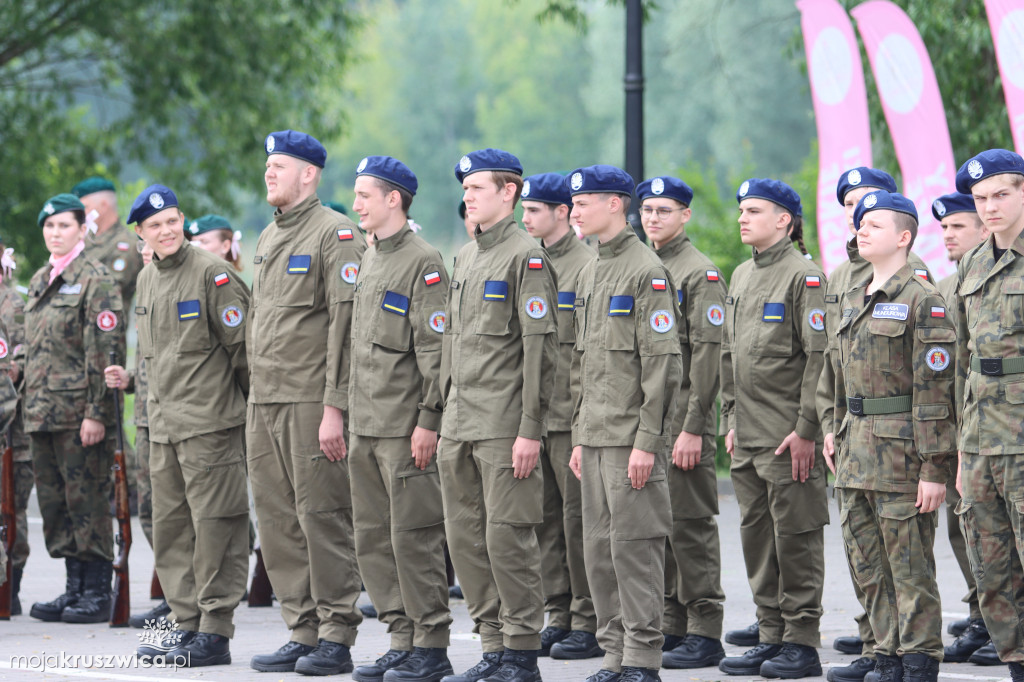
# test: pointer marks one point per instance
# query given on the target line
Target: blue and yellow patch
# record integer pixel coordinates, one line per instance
(566, 300)
(774, 312)
(679, 296)
(188, 310)
(619, 306)
(298, 265)
(495, 290)
(395, 303)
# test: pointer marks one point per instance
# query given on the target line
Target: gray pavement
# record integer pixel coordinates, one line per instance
(260, 630)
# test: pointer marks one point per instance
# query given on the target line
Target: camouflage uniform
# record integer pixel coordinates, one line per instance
(71, 326)
(896, 344)
(12, 314)
(990, 322)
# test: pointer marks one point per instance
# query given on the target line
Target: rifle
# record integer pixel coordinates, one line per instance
(155, 590)
(121, 610)
(9, 529)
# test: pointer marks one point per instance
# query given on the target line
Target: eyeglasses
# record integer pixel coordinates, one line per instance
(662, 211)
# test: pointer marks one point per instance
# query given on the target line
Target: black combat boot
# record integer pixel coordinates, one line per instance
(327, 658)
(750, 662)
(154, 644)
(369, 611)
(51, 611)
(93, 606)
(200, 651)
(422, 665)
(855, 672)
(695, 652)
(957, 627)
(282, 660)
(920, 668)
(517, 665)
(632, 674)
(15, 588)
(550, 636)
(154, 616)
(973, 637)
(671, 642)
(490, 662)
(748, 636)
(604, 675)
(793, 662)
(851, 645)
(375, 671)
(887, 669)
(986, 655)
(1016, 672)
(577, 646)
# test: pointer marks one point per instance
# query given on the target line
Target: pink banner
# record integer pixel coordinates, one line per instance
(917, 122)
(840, 111)
(1006, 19)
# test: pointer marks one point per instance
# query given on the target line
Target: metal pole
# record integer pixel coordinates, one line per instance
(634, 87)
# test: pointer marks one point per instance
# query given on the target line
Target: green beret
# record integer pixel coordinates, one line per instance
(62, 203)
(336, 206)
(208, 223)
(91, 186)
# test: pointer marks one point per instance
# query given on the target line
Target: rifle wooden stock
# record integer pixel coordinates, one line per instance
(260, 591)
(155, 589)
(121, 611)
(9, 529)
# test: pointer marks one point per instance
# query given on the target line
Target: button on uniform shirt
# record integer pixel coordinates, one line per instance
(191, 315)
(898, 341)
(299, 330)
(115, 248)
(627, 348)
(500, 348)
(398, 320)
(771, 353)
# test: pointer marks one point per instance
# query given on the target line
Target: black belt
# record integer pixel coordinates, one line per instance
(865, 407)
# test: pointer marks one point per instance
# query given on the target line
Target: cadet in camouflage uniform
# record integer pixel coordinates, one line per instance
(73, 321)
(895, 349)
(297, 340)
(113, 244)
(962, 230)
(693, 581)
(498, 360)
(990, 359)
(572, 622)
(771, 362)
(625, 371)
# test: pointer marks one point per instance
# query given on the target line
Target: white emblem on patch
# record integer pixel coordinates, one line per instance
(536, 307)
(853, 177)
(362, 165)
(349, 271)
(70, 289)
(744, 188)
(106, 320)
(119, 265)
(716, 315)
(270, 143)
(657, 185)
(577, 181)
(937, 358)
(231, 317)
(156, 201)
(870, 200)
(465, 163)
(940, 207)
(3, 348)
(437, 320)
(974, 169)
(816, 318)
(526, 188)
(662, 321)
(48, 209)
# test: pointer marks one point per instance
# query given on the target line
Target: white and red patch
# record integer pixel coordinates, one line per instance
(221, 279)
(938, 311)
(432, 278)
(923, 274)
(937, 358)
(106, 320)
(3, 347)
(344, 234)
(658, 284)
(712, 275)
(231, 316)
(535, 263)
(123, 246)
(812, 281)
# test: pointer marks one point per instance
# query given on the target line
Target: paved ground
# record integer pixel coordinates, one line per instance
(262, 631)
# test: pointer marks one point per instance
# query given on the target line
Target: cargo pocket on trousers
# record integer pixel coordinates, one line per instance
(855, 554)
(799, 507)
(646, 513)
(905, 536)
(515, 501)
(969, 527)
(321, 486)
(416, 499)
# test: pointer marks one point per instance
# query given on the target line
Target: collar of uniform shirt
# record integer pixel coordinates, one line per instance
(616, 244)
(394, 241)
(174, 260)
(297, 215)
(675, 245)
(892, 287)
(496, 233)
(562, 245)
(773, 254)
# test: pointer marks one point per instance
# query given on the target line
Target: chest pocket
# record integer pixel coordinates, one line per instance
(495, 308)
(391, 328)
(887, 347)
(142, 319)
(620, 324)
(566, 303)
(972, 290)
(298, 282)
(192, 327)
(773, 327)
(1012, 304)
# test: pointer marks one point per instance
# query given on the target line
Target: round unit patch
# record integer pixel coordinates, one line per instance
(937, 358)
(231, 317)
(657, 185)
(939, 207)
(577, 181)
(465, 163)
(270, 143)
(119, 264)
(526, 188)
(156, 201)
(662, 321)
(536, 307)
(437, 320)
(362, 165)
(853, 177)
(349, 272)
(870, 200)
(3, 348)
(106, 320)
(816, 318)
(716, 315)
(744, 188)
(974, 169)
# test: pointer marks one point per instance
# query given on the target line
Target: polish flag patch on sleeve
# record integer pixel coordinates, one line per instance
(432, 278)
(535, 263)
(658, 284)
(344, 234)
(221, 279)
(712, 275)
(920, 272)
(812, 281)
(938, 311)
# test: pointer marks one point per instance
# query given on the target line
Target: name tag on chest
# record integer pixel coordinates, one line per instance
(70, 289)
(890, 311)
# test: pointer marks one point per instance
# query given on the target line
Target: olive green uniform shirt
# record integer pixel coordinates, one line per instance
(500, 346)
(700, 291)
(947, 287)
(299, 330)
(71, 326)
(115, 248)
(896, 342)
(191, 314)
(772, 347)
(627, 348)
(568, 256)
(397, 324)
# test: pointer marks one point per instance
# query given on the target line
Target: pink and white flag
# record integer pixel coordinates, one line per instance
(1006, 19)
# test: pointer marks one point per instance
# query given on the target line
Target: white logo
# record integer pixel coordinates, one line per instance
(119, 265)
(362, 165)
(270, 143)
(160, 634)
(657, 185)
(744, 188)
(193, 228)
(940, 208)
(536, 307)
(231, 317)
(48, 209)
(853, 177)
(465, 164)
(156, 201)
(526, 188)
(662, 321)
(870, 200)
(937, 358)
(106, 320)
(577, 181)
(974, 169)
(437, 320)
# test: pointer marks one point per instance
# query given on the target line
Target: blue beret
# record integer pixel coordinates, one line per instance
(91, 186)
(991, 162)
(598, 179)
(392, 170)
(487, 160)
(547, 187)
(299, 145)
(774, 191)
(948, 204)
(665, 186)
(207, 223)
(62, 203)
(881, 200)
(862, 176)
(153, 199)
